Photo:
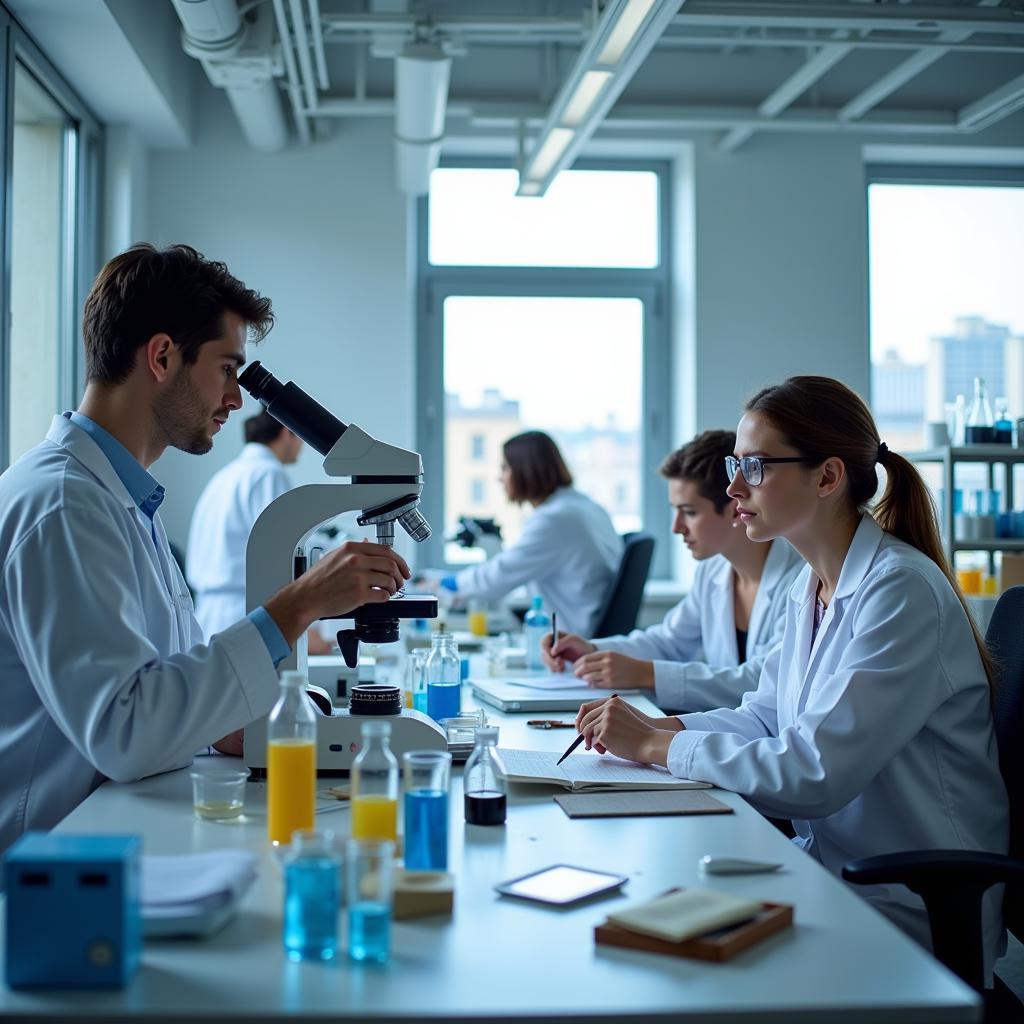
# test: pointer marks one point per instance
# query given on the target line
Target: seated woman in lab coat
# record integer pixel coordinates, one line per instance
(871, 725)
(569, 551)
(709, 649)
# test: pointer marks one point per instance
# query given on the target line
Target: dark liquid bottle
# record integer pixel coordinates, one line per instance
(483, 781)
(485, 808)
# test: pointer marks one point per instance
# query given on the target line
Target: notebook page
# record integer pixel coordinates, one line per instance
(561, 681)
(609, 770)
(532, 764)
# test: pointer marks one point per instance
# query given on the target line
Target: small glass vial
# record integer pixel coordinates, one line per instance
(483, 781)
(312, 896)
(415, 687)
(375, 785)
(444, 678)
(370, 865)
(1003, 429)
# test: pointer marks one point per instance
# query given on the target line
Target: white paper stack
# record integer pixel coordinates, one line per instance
(193, 893)
(682, 915)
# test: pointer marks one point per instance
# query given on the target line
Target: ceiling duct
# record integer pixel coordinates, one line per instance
(238, 56)
(422, 74)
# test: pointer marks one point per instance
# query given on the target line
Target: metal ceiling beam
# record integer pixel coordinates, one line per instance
(793, 87)
(993, 107)
(802, 15)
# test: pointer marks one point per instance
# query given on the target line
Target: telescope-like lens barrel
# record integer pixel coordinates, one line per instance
(290, 405)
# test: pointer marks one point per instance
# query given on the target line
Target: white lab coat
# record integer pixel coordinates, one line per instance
(221, 523)
(696, 661)
(568, 553)
(103, 669)
(878, 740)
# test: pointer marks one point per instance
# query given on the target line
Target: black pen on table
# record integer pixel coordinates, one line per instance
(554, 631)
(576, 742)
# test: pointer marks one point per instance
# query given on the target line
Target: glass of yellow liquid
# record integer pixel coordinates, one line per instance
(218, 795)
(478, 618)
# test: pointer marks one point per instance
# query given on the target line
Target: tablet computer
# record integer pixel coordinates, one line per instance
(561, 884)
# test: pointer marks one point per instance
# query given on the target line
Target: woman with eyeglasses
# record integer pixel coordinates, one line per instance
(871, 725)
(709, 649)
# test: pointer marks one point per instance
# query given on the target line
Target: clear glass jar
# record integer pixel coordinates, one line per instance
(483, 781)
(375, 785)
(291, 761)
(415, 685)
(444, 677)
(312, 896)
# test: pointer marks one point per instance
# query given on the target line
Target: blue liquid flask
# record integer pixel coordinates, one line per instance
(369, 931)
(536, 626)
(444, 678)
(312, 879)
(426, 831)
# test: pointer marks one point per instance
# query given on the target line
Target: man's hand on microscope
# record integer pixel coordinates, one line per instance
(356, 573)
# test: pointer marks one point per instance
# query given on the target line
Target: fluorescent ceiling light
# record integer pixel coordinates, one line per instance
(583, 98)
(625, 29)
(551, 149)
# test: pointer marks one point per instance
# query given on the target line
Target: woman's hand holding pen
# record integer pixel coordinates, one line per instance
(570, 647)
(611, 725)
(610, 670)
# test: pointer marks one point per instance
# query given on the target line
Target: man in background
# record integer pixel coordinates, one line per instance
(224, 517)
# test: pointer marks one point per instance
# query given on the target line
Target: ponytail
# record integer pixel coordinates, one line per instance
(822, 418)
(906, 510)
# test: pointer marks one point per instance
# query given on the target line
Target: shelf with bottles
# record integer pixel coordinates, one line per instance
(982, 453)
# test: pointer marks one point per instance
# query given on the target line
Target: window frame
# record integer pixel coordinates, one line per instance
(435, 283)
(80, 233)
(954, 175)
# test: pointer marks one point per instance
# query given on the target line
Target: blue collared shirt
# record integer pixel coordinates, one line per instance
(148, 495)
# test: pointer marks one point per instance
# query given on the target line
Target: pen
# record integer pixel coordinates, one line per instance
(576, 742)
(554, 631)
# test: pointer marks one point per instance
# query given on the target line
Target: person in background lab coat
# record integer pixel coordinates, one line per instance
(709, 649)
(223, 519)
(569, 551)
(871, 726)
(104, 670)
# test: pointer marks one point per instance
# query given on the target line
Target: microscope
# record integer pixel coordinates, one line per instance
(383, 483)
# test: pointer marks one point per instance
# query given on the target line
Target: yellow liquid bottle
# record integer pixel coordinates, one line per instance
(375, 785)
(291, 761)
(291, 788)
(374, 817)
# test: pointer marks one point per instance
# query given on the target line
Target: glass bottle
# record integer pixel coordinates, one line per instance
(415, 687)
(444, 677)
(979, 419)
(1003, 430)
(291, 761)
(536, 626)
(312, 896)
(483, 781)
(375, 785)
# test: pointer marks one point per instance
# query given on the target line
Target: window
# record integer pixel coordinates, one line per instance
(525, 325)
(946, 302)
(51, 176)
(42, 160)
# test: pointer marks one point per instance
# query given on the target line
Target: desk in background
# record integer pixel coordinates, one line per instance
(499, 958)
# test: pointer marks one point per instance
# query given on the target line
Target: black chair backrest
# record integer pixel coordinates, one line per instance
(1005, 639)
(622, 605)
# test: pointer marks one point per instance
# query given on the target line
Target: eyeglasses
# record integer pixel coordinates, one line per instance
(752, 466)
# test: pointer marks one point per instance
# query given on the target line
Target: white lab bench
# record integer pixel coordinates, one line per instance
(499, 959)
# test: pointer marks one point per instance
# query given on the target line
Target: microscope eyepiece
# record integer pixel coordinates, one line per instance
(290, 405)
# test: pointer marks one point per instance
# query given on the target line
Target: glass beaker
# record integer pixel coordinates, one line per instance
(370, 889)
(425, 778)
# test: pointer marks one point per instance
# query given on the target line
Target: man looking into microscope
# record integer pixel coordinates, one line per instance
(103, 668)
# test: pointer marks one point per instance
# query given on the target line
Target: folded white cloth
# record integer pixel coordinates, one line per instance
(191, 883)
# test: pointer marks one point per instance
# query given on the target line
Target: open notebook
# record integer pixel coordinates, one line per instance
(582, 772)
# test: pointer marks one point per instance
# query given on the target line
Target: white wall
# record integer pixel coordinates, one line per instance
(321, 230)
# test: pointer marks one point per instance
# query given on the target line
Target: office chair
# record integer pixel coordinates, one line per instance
(952, 882)
(622, 605)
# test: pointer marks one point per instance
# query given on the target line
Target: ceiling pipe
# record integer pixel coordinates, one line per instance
(422, 74)
(239, 57)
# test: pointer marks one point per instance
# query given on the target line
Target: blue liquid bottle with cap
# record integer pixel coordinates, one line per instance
(536, 626)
